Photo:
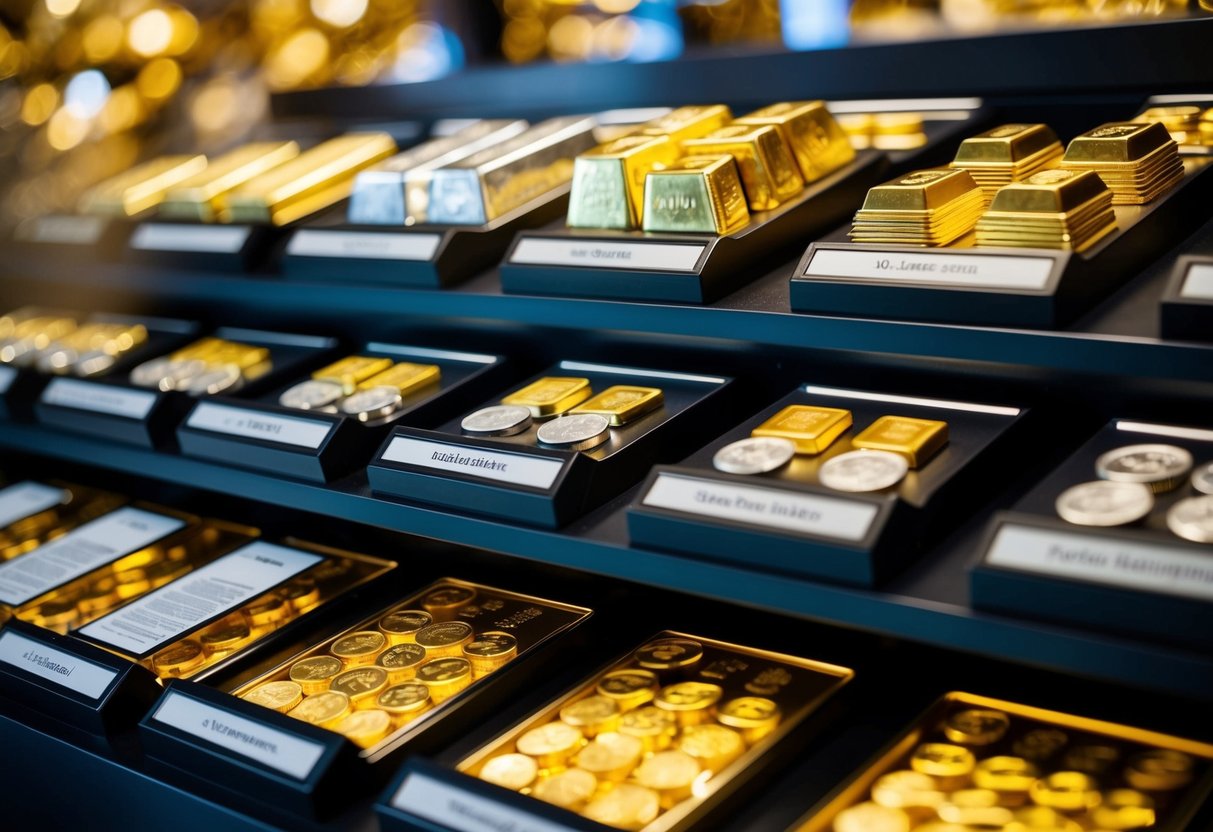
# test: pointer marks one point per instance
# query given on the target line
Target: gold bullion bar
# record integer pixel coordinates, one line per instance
(397, 190)
(1009, 144)
(352, 370)
(915, 439)
(818, 143)
(622, 403)
(810, 428)
(1118, 144)
(608, 181)
(1050, 192)
(405, 377)
(497, 180)
(688, 122)
(768, 171)
(140, 188)
(199, 197)
(550, 395)
(920, 191)
(696, 193)
(313, 180)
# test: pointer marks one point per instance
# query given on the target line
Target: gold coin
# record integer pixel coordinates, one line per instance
(668, 770)
(942, 760)
(1124, 809)
(224, 636)
(178, 659)
(444, 601)
(1159, 770)
(690, 702)
(322, 708)
(1039, 744)
(359, 648)
(401, 661)
(669, 654)
(315, 672)
(629, 688)
(651, 725)
(489, 651)
(624, 807)
(974, 807)
(871, 817)
(267, 610)
(1091, 759)
(409, 698)
(754, 716)
(365, 728)
(907, 789)
(568, 789)
(361, 684)
(1005, 774)
(281, 696)
(551, 745)
(610, 756)
(714, 746)
(445, 639)
(976, 726)
(1066, 791)
(592, 715)
(445, 677)
(510, 771)
(1042, 818)
(300, 594)
(401, 626)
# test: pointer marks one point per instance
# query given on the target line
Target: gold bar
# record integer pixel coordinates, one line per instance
(405, 377)
(696, 193)
(818, 143)
(351, 371)
(811, 429)
(310, 182)
(200, 196)
(920, 191)
(397, 190)
(141, 188)
(915, 439)
(690, 122)
(608, 181)
(498, 180)
(1009, 144)
(1051, 191)
(622, 403)
(768, 171)
(550, 395)
(1117, 143)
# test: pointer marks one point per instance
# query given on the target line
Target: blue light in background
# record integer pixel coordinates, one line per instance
(658, 32)
(814, 24)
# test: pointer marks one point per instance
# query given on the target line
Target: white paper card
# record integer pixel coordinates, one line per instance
(1199, 282)
(25, 498)
(54, 665)
(1125, 563)
(165, 614)
(290, 430)
(7, 376)
(990, 271)
(82, 550)
(99, 398)
(292, 755)
(519, 469)
(810, 514)
(599, 254)
(367, 245)
(211, 239)
(67, 230)
(460, 811)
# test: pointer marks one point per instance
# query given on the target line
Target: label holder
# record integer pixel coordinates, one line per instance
(197, 245)
(1187, 304)
(74, 237)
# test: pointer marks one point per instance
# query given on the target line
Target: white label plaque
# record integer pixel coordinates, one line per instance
(809, 514)
(7, 376)
(290, 430)
(82, 550)
(367, 245)
(990, 271)
(25, 498)
(600, 254)
(460, 811)
(292, 755)
(67, 230)
(64, 669)
(1092, 559)
(161, 616)
(99, 398)
(211, 239)
(1199, 282)
(519, 469)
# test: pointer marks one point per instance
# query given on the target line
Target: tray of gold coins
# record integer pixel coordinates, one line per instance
(651, 742)
(972, 762)
(690, 205)
(32, 512)
(1018, 230)
(553, 447)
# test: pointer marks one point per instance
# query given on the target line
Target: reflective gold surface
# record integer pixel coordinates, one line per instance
(200, 196)
(141, 188)
(622, 403)
(818, 143)
(768, 171)
(608, 181)
(810, 428)
(696, 194)
(915, 439)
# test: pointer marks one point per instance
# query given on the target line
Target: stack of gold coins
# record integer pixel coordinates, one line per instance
(1052, 209)
(1182, 122)
(1139, 162)
(925, 208)
(898, 131)
(1006, 154)
(205, 367)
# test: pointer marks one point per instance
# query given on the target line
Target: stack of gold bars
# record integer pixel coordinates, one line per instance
(1006, 154)
(1052, 209)
(1139, 161)
(931, 207)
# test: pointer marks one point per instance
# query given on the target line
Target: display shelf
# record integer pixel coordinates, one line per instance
(928, 603)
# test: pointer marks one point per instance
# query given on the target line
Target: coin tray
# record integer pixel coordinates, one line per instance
(113, 408)
(1025, 287)
(260, 433)
(341, 771)
(425, 796)
(1175, 808)
(542, 486)
(202, 245)
(1187, 303)
(1140, 580)
(73, 238)
(787, 521)
(693, 268)
(424, 256)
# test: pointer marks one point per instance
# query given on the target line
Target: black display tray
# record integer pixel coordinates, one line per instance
(1027, 287)
(694, 268)
(1139, 580)
(1187, 302)
(197, 245)
(786, 521)
(265, 435)
(546, 487)
(113, 408)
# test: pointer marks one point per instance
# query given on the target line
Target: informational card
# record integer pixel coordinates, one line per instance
(24, 499)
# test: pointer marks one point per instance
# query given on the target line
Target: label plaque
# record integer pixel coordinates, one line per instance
(502, 466)
(362, 244)
(989, 271)
(54, 665)
(1198, 283)
(461, 811)
(235, 421)
(211, 239)
(99, 398)
(602, 254)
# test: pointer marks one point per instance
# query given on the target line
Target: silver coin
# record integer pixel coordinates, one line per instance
(754, 455)
(215, 381)
(55, 359)
(93, 362)
(499, 420)
(1202, 478)
(1162, 467)
(1192, 519)
(372, 403)
(168, 373)
(859, 471)
(311, 395)
(18, 351)
(1105, 503)
(578, 432)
